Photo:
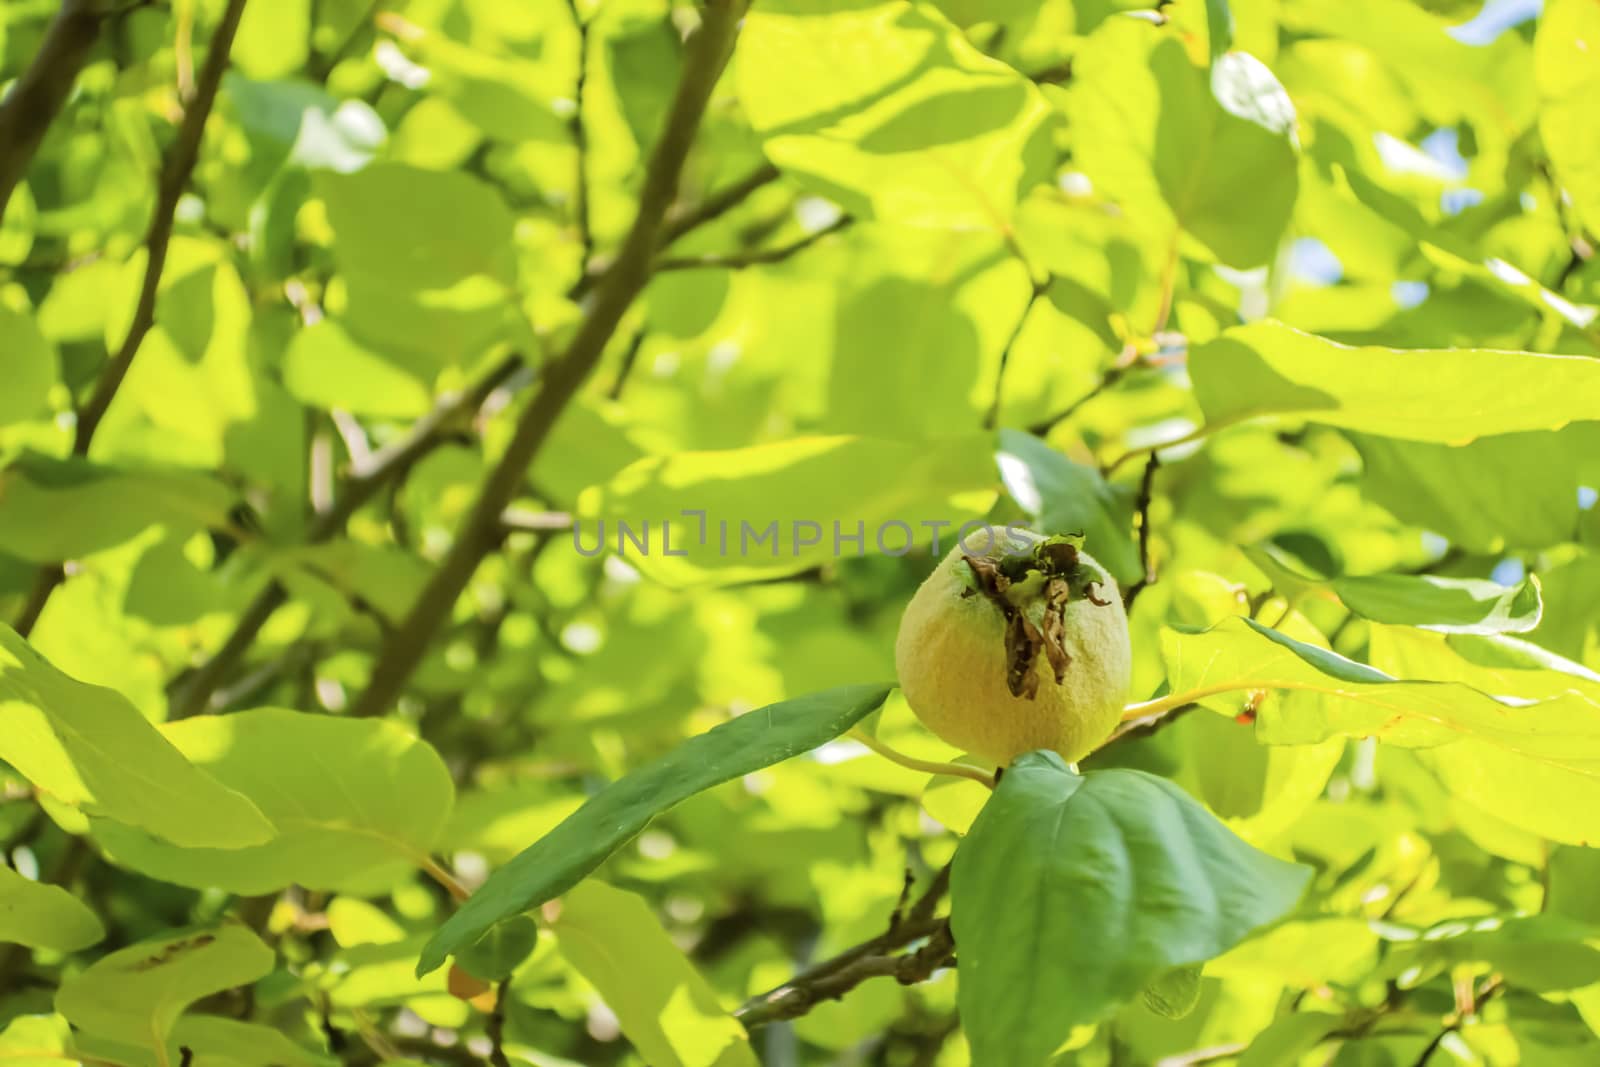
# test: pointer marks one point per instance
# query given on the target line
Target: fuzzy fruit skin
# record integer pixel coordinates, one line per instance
(950, 656)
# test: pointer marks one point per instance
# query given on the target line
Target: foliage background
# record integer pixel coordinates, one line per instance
(269, 338)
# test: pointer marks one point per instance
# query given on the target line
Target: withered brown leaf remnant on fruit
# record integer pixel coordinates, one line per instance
(1032, 590)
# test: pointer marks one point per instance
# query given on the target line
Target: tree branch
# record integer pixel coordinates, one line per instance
(1111, 377)
(833, 978)
(717, 204)
(615, 292)
(42, 90)
(580, 139)
(758, 257)
(1039, 288)
(1141, 508)
(175, 173)
(191, 694)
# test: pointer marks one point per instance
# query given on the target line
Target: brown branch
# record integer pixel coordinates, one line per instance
(580, 140)
(174, 178)
(495, 1027)
(623, 280)
(1111, 377)
(992, 419)
(717, 204)
(175, 172)
(833, 978)
(191, 694)
(42, 90)
(1141, 509)
(757, 257)
(1492, 987)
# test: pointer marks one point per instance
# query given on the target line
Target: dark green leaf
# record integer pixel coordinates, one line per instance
(1073, 893)
(563, 857)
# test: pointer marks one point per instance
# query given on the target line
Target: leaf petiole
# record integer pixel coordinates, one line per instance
(959, 770)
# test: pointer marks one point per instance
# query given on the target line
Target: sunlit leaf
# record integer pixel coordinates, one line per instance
(90, 748)
(353, 803)
(54, 509)
(775, 509)
(44, 916)
(885, 108)
(666, 1008)
(1448, 396)
(135, 995)
(1569, 83)
(1176, 146)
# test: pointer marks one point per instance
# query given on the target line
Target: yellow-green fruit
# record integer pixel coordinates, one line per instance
(952, 661)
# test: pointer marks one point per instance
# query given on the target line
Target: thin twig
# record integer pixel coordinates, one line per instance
(758, 257)
(191, 694)
(41, 91)
(717, 204)
(580, 140)
(1199, 433)
(1202, 1055)
(1490, 989)
(630, 356)
(480, 531)
(323, 67)
(175, 173)
(1039, 288)
(834, 977)
(1141, 510)
(1111, 377)
(495, 1027)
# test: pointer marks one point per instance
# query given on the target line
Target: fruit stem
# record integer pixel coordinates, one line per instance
(959, 770)
(1150, 709)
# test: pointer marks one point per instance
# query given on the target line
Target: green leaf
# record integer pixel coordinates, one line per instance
(1313, 694)
(134, 996)
(958, 318)
(1219, 27)
(218, 1041)
(36, 1041)
(1447, 605)
(326, 368)
(667, 1009)
(1447, 396)
(780, 508)
(1515, 490)
(562, 858)
(1258, 790)
(1539, 953)
(39, 915)
(1073, 893)
(884, 107)
(1426, 601)
(455, 225)
(500, 950)
(1175, 147)
(1568, 75)
(354, 803)
(54, 509)
(294, 124)
(1174, 994)
(30, 367)
(1060, 495)
(88, 747)
(1554, 794)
